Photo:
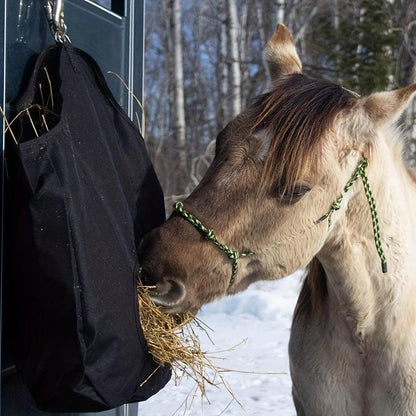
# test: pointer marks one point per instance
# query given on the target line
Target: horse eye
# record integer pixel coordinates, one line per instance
(294, 194)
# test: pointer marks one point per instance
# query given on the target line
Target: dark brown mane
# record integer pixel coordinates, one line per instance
(412, 173)
(297, 113)
(313, 293)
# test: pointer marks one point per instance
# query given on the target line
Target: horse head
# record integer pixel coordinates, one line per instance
(262, 209)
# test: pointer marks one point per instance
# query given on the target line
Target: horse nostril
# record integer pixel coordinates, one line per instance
(170, 292)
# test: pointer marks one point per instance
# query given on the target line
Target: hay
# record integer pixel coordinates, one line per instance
(39, 117)
(161, 331)
(172, 341)
(142, 129)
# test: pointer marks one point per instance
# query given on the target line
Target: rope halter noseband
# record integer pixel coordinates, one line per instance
(234, 255)
(209, 234)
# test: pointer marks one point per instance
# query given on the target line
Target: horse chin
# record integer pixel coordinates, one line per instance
(174, 302)
(173, 307)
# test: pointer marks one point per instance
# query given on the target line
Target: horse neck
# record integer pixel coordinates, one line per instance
(356, 285)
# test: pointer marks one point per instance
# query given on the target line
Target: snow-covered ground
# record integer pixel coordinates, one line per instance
(260, 380)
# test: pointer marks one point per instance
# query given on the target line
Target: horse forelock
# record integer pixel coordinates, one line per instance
(296, 115)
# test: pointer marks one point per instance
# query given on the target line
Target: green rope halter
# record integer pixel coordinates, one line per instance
(360, 172)
(234, 255)
(209, 234)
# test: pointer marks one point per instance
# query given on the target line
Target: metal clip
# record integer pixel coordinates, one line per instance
(55, 15)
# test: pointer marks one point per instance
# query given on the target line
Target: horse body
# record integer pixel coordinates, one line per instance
(356, 353)
(278, 169)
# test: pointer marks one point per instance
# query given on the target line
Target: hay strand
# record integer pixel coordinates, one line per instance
(41, 117)
(8, 125)
(142, 130)
(50, 89)
(32, 123)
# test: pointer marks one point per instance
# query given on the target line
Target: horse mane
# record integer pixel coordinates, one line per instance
(296, 114)
(412, 174)
(313, 293)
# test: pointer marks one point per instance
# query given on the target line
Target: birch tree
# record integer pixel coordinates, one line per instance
(178, 87)
(223, 86)
(233, 53)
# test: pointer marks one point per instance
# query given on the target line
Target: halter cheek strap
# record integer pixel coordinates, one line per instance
(360, 172)
(209, 234)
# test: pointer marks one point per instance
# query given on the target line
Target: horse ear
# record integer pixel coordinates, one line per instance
(280, 54)
(387, 107)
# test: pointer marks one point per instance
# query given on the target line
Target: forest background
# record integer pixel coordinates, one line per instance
(203, 65)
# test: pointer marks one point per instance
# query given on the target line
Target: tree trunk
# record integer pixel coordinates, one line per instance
(245, 53)
(280, 11)
(223, 73)
(235, 71)
(178, 88)
(337, 49)
(406, 74)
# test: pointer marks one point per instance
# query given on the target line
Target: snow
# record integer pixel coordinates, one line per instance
(260, 320)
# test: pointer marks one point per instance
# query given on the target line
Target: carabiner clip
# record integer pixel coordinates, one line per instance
(55, 15)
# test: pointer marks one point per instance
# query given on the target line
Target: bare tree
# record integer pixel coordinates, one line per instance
(234, 56)
(280, 11)
(178, 87)
(405, 67)
(223, 71)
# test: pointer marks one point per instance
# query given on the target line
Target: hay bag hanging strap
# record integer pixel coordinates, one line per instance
(84, 193)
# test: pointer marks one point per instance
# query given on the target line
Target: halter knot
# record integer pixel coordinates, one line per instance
(336, 204)
(234, 255)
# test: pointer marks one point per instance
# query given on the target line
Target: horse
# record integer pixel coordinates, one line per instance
(310, 175)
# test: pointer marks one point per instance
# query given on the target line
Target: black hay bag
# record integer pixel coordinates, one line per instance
(83, 195)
